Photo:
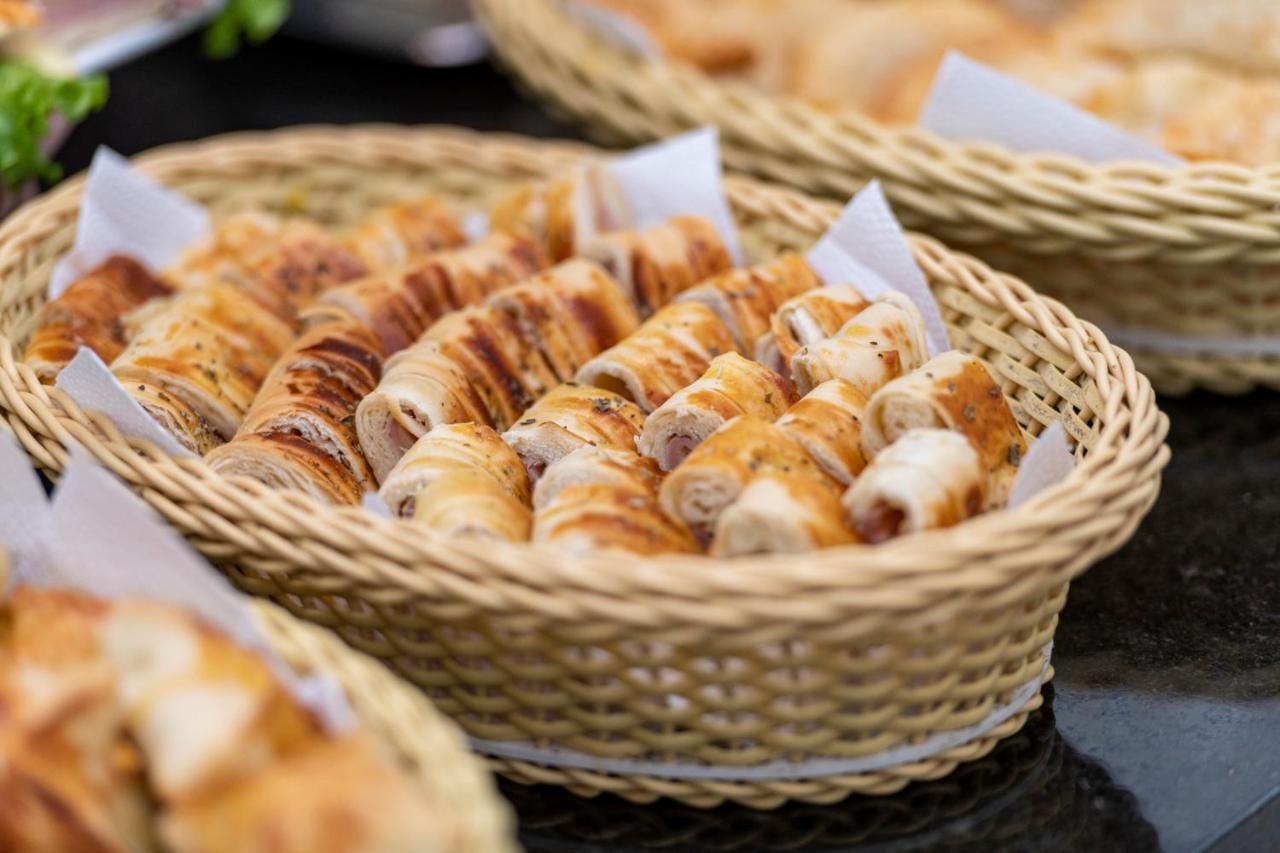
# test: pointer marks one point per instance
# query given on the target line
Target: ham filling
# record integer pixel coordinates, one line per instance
(679, 447)
(881, 522)
(401, 439)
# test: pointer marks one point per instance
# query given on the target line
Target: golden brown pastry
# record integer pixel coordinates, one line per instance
(657, 264)
(715, 35)
(90, 313)
(669, 351)
(954, 391)
(461, 504)
(300, 432)
(399, 304)
(404, 232)
(302, 261)
(226, 255)
(176, 416)
(564, 213)
(569, 417)
(607, 499)
(783, 513)
(928, 478)
(815, 315)
(745, 299)
(573, 311)
(828, 422)
(880, 343)
(731, 386)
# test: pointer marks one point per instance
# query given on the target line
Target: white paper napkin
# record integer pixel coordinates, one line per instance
(1047, 463)
(622, 30)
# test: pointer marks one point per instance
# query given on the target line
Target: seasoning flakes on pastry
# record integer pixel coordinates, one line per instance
(569, 417)
(565, 213)
(813, 316)
(783, 514)
(878, 344)
(745, 299)
(828, 422)
(404, 232)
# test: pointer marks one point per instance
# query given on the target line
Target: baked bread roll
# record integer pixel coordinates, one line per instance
(300, 432)
(565, 213)
(954, 391)
(716, 472)
(569, 417)
(399, 304)
(669, 351)
(461, 504)
(404, 232)
(828, 422)
(657, 264)
(177, 418)
(880, 343)
(599, 499)
(471, 449)
(783, 514)
(745, 299)
(731, 386)
(90, 313)
(302, 261)
(421, 389)
(573, 311)
(813, 316)
(926, 479)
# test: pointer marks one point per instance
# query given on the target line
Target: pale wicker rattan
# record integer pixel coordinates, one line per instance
(1191, 252)
(843, 653)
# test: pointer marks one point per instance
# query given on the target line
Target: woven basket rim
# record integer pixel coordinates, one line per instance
(978, 557)
(1207, 211)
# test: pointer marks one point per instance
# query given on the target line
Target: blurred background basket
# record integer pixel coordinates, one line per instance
(704, 670)
(1180, 266)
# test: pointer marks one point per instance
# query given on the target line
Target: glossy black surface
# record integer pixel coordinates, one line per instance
(1163, 729)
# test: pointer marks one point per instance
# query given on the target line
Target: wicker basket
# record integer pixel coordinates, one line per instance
(1189, 253)
(678, 660)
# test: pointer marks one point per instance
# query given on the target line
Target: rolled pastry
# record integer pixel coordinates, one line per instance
(471, 449)
(176, 417)
(731, 386)
(211, 348)
(461, 504)
(927, 478)
(783, 514)
(669, 351)
(302, 261)
(880, 343)
(716, 472)
(573, 311)
(657, 264)
(565, 213)
(399, 304)
(90, 314)
(569, 417)
(828, 422)
(953, 391)
(226, 255)
(745, 299)
(606, 499)
(421, 389)
(813, 316)
(300, 432)
(403, 232)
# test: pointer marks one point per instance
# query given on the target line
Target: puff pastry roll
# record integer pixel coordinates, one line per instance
(813, 316)
(300, 432)
(461, 504)
(928, 478)
(880, 343)
(473, 450)
(828, 422)
(669, 351)
(573, 311)
(716, 472)
(954, 391)
(421, 389)
(565, 213)
(745, 299)
(657, 264)
(211, 348)
(731, 386)
(177, 417)
(783, 514)
(226, 255)
(90, 313)
(399, 304)
(600, 499)
(569, 417)
(405, 231)
(302, 261)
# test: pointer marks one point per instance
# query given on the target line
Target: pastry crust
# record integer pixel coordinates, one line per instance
(460, 503)
(569, 417)
(176, 417)
(813, 316)
(303, 261)
(565, 213)
(880, 343)
(954, 391)
(227, 254)
(828, 422)
(731, 386)
(745, 299)
(669, 351)
(471, 449)
(400, 304)
(90, 313)
(783, 514)
(300, 432)
(928, 478)
(592, 464)
(404, 232)
(657, 264)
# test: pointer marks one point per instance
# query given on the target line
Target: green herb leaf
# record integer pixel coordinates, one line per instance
(28, 99)
(251, 20)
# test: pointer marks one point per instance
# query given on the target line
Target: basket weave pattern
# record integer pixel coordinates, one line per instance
(1200, 245)
(843, 653)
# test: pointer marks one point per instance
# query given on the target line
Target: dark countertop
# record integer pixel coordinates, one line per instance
(1163, 727)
